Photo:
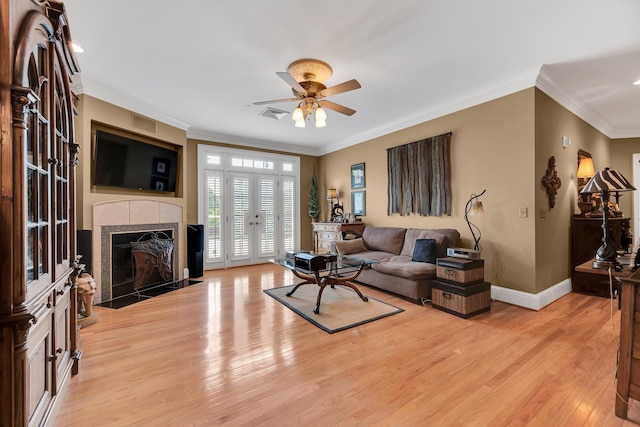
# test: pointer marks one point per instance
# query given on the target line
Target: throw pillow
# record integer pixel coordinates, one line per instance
(347, 247)
(425, 251)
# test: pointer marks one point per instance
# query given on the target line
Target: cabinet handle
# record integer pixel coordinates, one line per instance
(59, 350)
(52, 358)
(60, 292)
(446, 295)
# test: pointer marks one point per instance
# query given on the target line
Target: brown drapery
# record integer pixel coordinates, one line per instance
(420, 177)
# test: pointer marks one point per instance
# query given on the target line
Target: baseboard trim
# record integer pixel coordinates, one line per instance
(531, 301)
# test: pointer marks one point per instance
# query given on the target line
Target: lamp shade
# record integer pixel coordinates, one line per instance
(585, 168)
(477, 210)
(298, 114)
(607, 180)
(320, 114)
(332, 193)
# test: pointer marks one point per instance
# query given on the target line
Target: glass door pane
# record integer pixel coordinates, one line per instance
(213, 225)
(266, 216)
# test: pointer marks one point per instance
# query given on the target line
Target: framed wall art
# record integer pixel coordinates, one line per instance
(358, 203)
(161, 166)
(357, 176)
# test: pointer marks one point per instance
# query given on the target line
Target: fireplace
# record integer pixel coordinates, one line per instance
(140, 259)
(118, 266)
(115, 219)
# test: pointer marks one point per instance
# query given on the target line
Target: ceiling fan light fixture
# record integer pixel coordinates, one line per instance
(321, 115)
(298, 115)
(300, 123)
(321, 123)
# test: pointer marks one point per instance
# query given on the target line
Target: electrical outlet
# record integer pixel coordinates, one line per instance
(543, 212)
(523, 213)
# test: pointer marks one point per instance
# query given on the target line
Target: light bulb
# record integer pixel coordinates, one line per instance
(300, 123)
(321, 123)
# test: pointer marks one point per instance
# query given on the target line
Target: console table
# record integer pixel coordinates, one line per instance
(586, 238)
(326, 232)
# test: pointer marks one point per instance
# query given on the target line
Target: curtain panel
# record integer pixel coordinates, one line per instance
(420, 177)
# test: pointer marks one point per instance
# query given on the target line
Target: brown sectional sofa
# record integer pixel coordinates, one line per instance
(393, 249)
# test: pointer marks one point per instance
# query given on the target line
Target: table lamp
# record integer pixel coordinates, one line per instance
(605, 182)
(474, 208)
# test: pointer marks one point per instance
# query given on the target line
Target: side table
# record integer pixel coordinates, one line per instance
(587, 267)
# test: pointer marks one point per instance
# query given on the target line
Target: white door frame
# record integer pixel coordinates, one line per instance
(228, 161)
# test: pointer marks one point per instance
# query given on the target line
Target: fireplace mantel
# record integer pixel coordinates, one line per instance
(124, 215)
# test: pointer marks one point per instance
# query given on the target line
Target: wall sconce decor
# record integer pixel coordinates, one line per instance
(474, 208)
(605, 182)
(551, 182)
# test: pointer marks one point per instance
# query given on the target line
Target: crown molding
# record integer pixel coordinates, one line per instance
(487, 93)
(116, 97)
(573, 104)
(208, 136)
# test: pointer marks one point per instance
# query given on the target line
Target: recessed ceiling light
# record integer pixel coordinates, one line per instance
(77, 48)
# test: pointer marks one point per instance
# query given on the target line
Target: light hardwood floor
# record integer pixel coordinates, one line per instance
(222, 352)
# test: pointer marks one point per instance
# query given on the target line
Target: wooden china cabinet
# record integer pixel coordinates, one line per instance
(38, 156)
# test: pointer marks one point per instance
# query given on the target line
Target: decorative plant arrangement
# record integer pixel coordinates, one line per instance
(314, 203)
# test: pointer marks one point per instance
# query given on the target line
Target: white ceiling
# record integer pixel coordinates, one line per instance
(199, 64)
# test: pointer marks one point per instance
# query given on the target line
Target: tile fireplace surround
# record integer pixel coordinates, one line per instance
(124, 216)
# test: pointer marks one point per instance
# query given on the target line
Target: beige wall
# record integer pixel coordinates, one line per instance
(492, 148)
(95, 110)
(553, 238)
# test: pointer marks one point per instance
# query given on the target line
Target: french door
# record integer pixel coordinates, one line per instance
(253, 215)
(249, 216)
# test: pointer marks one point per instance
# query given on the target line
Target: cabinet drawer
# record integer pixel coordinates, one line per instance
(326, 227)
(324, 246)
(329, 236)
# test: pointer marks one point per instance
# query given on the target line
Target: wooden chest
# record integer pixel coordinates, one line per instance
(461, 300)
(460, 270)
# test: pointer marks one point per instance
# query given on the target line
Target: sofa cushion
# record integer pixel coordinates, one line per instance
(414, 234)
(347, 247)
(386, 239)
(425, 251)
(402, 266)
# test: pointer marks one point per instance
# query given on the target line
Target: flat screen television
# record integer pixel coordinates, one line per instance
(129, 162)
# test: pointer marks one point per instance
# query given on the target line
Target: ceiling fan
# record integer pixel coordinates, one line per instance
(306, 78)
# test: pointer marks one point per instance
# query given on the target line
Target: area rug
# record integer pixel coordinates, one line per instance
(340, 308)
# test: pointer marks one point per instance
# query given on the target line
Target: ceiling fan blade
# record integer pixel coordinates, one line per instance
(337, 107)
(342, 87)
(273, 101)
(291, 82)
